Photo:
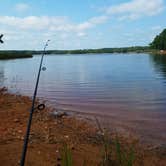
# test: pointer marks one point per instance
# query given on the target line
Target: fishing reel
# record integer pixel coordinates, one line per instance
(40, 107)
(44, 68)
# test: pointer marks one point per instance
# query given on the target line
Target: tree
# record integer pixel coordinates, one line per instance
(159, 41)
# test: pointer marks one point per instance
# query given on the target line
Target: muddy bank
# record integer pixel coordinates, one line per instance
(48, 134)
(162, 52)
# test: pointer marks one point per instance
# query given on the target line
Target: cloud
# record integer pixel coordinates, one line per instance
(32, 22)
(81, 34)
(22, 7)
(136, 9)
(98, 19)
(61, 28)
(39, 28)
(49, 23)
(129, 10)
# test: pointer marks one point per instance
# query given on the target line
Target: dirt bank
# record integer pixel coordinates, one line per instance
(162, 52)
(49, 134)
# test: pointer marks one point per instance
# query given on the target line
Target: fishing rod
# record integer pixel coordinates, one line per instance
(39, 107)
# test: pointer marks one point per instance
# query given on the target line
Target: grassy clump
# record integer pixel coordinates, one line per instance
(67, 159)
(114, 153)
(124, 157)
(66, 156)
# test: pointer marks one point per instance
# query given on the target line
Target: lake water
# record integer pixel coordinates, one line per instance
(129, 90)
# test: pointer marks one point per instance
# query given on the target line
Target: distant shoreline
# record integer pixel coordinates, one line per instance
(4, 55)
(13, 54)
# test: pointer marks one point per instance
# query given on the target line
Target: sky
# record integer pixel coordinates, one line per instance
(80, 24)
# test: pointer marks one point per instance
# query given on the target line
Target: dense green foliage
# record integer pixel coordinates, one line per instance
(15, 54)
(159, 41)
(137, 49)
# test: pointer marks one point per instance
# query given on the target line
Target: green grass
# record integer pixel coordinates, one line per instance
(66, 156)
(67, 159)
(114, 153)
(124, 157)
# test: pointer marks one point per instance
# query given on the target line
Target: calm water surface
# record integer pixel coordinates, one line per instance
(131, 87)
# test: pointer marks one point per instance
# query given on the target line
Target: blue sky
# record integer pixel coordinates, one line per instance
(79, 24)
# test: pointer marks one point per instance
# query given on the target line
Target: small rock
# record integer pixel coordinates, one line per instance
(19, 131)
(16, 120)
(66, 136)
(22, 138)
(100, 133)
(13, 133)
(3, 89)
(58, 114)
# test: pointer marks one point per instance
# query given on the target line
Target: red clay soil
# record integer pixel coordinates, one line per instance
(48, 135)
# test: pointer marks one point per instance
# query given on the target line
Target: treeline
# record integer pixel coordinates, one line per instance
(15, 54)
(159, 41)
(29, 53)
(137, 49)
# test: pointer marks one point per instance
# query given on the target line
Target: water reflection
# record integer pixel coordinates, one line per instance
(92, 83)
(159, 62)
(2, 75)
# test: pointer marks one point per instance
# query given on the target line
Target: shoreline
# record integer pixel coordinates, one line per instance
(14, 54)
(48, 133)
(5, 55)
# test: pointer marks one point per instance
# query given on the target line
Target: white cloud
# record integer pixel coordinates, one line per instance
(92, 22)
(49, 23)
(98, 19)
(61, 28)
(130, 10)
(39, 28)
(33, 22)
(22, 7)
(136, 9)
(81, 34)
